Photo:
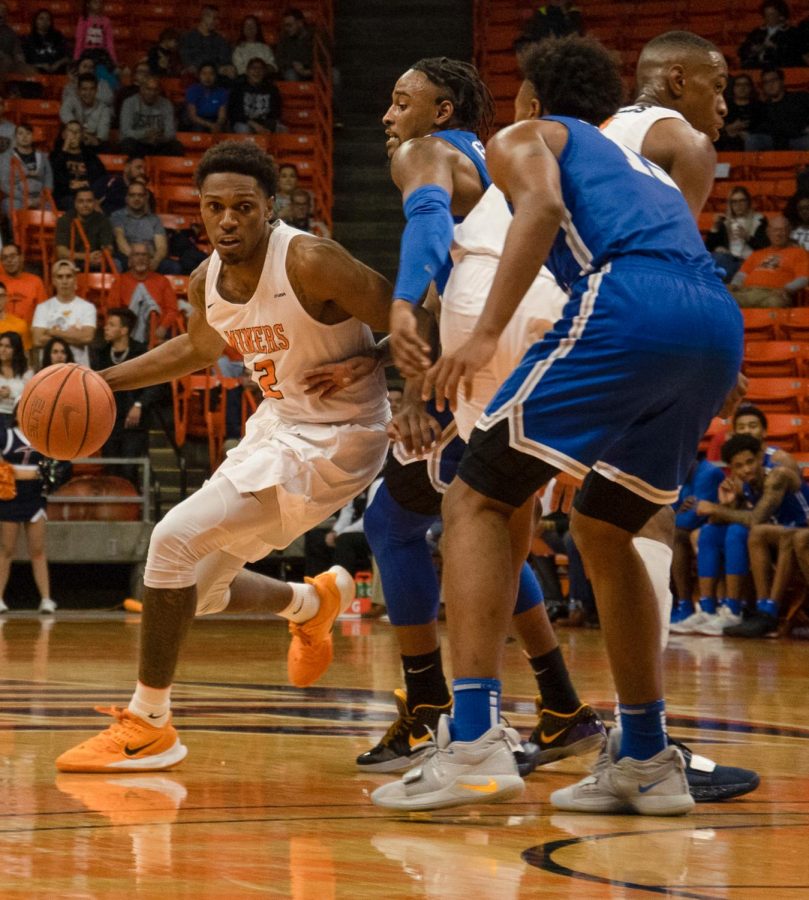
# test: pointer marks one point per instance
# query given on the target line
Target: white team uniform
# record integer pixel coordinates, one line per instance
(302, 458)
(477, 246)
(630, 125)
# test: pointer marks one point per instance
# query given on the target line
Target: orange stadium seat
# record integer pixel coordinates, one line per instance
(95, 286)
(196, 141)
(164, 170)
(761, 324)
(777, 164)
(113, 162)
(788, 432)
(766, 359)
(794, 324)
(779, 395)
(180, 285)
(740, 164)
(35, 232)
(178, 198)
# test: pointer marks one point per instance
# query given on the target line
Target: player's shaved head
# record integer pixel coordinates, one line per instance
(681, 71)
(681, 48)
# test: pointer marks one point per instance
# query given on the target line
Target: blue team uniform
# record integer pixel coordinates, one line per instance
(649, 344)
(702, 484)
(794, 509)
(408, 502)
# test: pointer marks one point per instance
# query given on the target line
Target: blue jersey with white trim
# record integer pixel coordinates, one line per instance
(794, 509)
(470, 145)
(617, 203)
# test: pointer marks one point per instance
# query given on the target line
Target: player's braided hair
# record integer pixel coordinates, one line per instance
(241, 158)
(461, 83)
(574, 76)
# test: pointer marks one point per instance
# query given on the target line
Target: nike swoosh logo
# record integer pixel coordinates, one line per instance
(418, 671)
(209, 306)
(67, 412)
(153, 716)
(133, 751)
(550, 738)
(488, 788)
(416, 741)
(643, 788)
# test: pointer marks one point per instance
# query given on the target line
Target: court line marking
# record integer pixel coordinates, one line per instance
(541, 857)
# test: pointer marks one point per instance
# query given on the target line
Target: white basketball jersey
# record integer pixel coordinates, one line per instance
(483, 231)
(630, 125)
(280, 340)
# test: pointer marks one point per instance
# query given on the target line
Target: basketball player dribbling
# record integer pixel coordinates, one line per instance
(287, 301)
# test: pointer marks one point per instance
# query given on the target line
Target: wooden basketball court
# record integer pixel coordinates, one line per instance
(269, 802)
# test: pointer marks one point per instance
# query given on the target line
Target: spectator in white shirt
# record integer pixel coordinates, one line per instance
(65, 315)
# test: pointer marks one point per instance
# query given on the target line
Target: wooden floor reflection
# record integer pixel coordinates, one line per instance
(268, 802)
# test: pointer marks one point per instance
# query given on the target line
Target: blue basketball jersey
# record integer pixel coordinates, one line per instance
(617, 203)
(470, 145)
(794, 509)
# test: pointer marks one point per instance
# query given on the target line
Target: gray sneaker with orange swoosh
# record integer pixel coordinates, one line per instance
(456, 773)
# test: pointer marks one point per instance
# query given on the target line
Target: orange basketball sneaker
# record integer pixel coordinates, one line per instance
(311, 650)
(129, 744)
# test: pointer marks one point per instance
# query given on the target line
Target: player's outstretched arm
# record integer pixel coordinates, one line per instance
(186, 353)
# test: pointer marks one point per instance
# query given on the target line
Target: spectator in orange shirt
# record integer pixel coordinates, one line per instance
(771, 277)
(24, 290)
(144, 291)
(9, 322)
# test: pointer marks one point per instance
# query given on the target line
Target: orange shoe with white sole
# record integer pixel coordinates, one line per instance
(311, 650)
(129, 745)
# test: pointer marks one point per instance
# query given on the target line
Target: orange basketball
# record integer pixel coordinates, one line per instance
(66, 411)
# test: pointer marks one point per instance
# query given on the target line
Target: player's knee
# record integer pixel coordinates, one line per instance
(462, 503)
(800, 540)
(757, 536)
(737, 535)
(171, 560)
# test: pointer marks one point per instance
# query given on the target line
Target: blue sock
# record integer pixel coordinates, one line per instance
(681, 609)
(707, 604)
(735, 606)
(475, 707)
(768, 607)
(643, 729)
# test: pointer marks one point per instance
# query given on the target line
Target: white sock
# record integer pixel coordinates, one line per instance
(305, 603)
(657, 558)
(151, 704)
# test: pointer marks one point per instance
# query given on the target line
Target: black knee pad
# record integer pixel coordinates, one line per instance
(611, 502)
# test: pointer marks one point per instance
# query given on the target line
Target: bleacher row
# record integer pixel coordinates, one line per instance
(138, 27)
(306, 109)
(622, 25)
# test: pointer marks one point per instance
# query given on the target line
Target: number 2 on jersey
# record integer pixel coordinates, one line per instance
(267, 382)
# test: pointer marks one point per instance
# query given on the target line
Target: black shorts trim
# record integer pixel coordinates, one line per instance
(492, 467)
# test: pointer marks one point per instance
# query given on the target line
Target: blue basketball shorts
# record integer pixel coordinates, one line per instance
(625, 385)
